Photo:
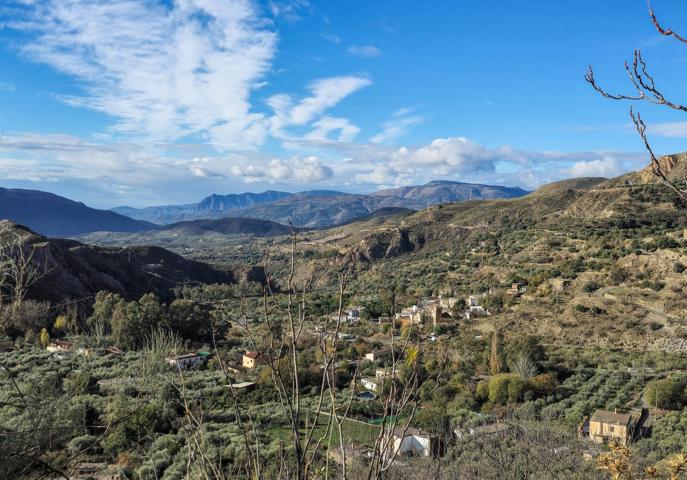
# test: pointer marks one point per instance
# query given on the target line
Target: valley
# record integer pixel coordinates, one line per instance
(531, 314)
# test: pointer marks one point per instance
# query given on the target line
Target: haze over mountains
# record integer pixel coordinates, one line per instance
(318, 208)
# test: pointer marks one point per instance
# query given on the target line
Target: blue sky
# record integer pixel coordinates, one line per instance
(144, 102)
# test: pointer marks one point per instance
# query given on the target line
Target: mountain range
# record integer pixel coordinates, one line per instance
(263, 214)
(318, 208)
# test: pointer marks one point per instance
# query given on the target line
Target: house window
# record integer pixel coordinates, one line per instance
(610, 429)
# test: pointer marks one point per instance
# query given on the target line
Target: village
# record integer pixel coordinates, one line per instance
(377, 359)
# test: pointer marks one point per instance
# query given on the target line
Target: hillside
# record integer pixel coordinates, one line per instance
(582, 183)
(441, 191)
(57, 216)
(76, 270)
(674, 166)
(611, 254)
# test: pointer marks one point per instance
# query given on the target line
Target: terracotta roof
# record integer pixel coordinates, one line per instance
(252, 355)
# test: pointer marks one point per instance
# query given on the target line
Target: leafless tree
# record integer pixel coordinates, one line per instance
(646, 90)
(19, 270)
(278, 339)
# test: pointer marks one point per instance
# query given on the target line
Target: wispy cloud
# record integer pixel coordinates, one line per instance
(324, 94)
(289, 10)
(668, 129)
(6, 87)
(326, 125)
(401, 121)
(367, 51)
(161, 71)
(331, 37)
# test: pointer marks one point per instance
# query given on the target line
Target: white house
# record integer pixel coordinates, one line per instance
(373, 384)
(474, 308)
(185, 361)
(414, 442)
(350, 314)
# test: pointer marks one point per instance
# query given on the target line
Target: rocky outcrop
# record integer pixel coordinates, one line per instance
(389, 244)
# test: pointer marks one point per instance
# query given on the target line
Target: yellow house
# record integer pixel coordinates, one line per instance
(607, 427)
(251, 359)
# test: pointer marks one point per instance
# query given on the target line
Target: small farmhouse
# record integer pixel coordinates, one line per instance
(373, 384)
(185, 361)
(251, 360)
(607, 427)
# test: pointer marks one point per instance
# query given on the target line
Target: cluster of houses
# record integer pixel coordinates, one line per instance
(438, 310)
(434, 310)
(61, 347)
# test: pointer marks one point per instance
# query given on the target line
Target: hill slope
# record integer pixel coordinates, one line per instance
(441, 191)
(53, 215)
(76, 270)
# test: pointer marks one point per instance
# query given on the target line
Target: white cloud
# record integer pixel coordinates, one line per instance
(448, 155)
(161, 71)
(326, 125)
(146, 168)
(325, 93)
(600, 167)
(367, 51)
(295, 170)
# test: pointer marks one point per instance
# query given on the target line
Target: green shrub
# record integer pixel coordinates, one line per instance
(83, 444)
(505, 388)
(666, 393)
(482, 392)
